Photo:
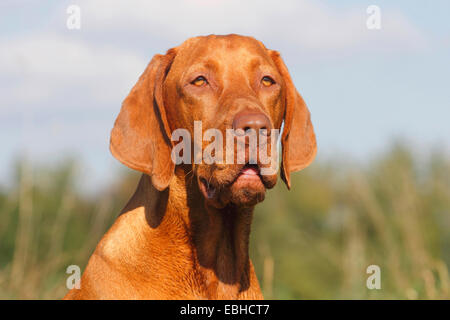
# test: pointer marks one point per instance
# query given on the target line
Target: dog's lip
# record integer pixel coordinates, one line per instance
(248, 172)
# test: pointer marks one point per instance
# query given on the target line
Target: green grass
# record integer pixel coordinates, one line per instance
(312, 242)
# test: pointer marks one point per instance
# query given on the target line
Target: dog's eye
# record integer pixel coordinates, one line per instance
(199, 81)
(267, 81)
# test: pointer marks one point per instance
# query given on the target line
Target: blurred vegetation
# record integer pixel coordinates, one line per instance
(313, 242)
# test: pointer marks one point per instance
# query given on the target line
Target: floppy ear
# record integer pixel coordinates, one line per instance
(140, 137)
(298, 140)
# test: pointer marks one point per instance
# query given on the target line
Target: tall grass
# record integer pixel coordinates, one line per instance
(46, 225)
(339, 219)
(314, 241)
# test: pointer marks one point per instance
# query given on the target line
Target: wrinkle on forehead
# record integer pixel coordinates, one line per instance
(231, 49)
(202, 65)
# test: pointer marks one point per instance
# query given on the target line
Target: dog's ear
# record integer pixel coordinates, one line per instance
(298, 140)
(140, 138)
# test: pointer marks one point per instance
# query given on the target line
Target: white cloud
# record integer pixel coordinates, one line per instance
(296, 24)
(40, 65)
(58, 55)
(45, 64)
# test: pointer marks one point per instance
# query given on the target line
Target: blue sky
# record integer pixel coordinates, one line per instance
(61, 89)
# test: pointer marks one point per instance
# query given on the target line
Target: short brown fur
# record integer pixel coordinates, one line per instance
(170, 242)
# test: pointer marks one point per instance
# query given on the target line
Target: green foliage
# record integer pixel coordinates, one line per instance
(317, 240)
(312, 242)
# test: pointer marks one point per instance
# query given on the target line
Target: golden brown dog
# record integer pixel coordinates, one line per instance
(184, 233)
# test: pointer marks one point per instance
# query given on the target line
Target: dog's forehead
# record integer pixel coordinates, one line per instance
(222, 48)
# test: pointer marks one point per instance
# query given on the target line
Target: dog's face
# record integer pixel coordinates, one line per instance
(226, 83)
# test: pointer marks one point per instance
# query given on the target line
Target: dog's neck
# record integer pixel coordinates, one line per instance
(221, 241)
(218, 238)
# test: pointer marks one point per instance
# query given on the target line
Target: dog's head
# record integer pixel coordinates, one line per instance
(216, 102)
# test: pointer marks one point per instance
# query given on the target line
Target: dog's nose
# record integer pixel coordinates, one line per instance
(252, 120)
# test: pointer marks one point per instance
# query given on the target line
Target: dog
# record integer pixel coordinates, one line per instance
(184, 234)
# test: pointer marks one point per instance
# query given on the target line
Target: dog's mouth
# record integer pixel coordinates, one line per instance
(249, 174)
(247, 187)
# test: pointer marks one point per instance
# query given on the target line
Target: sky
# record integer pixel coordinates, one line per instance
(61, 88)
